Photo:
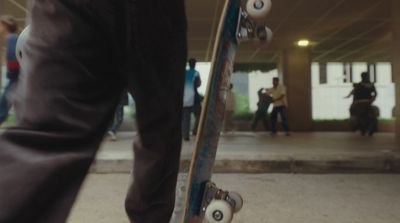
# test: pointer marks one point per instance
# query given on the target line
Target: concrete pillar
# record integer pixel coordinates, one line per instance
(396, 59)
(295, 70)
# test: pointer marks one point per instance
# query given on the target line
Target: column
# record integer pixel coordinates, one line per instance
(396, 59)
(295, 72)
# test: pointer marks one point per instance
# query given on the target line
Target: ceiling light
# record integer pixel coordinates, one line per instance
(303, 43)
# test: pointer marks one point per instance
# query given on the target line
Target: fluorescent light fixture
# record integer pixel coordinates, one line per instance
(303, 43)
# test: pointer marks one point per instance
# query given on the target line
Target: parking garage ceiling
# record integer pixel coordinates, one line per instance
(340, 30)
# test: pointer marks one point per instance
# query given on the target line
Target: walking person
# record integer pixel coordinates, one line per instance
(229, 110)
(278, 94)
(8, 30)
(198, 99)
(118, 116)
(264, 101)
(364, 94)
(189, 97)
(82, 55)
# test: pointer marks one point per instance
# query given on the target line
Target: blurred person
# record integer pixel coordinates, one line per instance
(364, 94)
(264, 101)
(278, 94)
(82, 55)
(229, 110)
(118, 116)
(189, 97)
(8, 30)
(198, 99)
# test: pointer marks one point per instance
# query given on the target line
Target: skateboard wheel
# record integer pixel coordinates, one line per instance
(258, 9)
(219, 211)
(264, 35)
(20, 44)
(238, 201)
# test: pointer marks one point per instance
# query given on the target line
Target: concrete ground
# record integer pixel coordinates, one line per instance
(269, 198)
(247, 152)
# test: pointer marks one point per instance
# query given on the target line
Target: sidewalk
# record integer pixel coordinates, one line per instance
(269, 198)
(244, 152)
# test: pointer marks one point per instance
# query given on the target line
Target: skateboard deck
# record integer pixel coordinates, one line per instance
(200, 192)
(213, 111)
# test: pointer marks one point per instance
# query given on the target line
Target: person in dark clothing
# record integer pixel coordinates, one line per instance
(118, 116)
(264, 101)
(9, 29)
(197, 104)
(364, 94)
(82, 55)
(230, 104)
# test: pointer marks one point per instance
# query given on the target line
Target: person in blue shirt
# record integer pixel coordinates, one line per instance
(9, 29)
(192, 82)
(198, 100)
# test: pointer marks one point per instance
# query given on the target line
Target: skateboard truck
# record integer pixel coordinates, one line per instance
(251, 24)
(218, 206)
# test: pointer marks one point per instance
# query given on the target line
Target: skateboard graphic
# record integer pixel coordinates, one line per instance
(242, 20)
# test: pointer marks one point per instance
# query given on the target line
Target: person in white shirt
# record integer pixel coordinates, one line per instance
(278, 93)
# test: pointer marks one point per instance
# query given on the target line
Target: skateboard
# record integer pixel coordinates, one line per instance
(241, 20)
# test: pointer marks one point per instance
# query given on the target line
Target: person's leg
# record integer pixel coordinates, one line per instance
(157, 88)
(374, 119)
(283, 114)
(5, 105)
(364, 118)
(231, 122)
(64, 102)
(117, 121)
(274, 118)
(265, 121)
(255, 120)
(228, 121)
(197, 114)
(118, 117)
(186, 123)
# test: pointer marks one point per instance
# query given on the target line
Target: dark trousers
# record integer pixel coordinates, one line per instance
(281, 110)
(186, 121)
(228, 121)
(82, 54)
(197, 114)
(118, 117)
(366, 117)
(5, 104)
(260, 116)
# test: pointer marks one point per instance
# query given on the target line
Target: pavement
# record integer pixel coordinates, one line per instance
(269, 198)
(247, 152)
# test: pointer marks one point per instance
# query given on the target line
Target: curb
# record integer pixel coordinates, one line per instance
(289, 165)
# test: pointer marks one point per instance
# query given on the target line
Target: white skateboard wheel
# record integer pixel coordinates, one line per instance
(219, 211)
(238, 201)
(19, 50)
(269, 33)
(258, 9)
(264, 36)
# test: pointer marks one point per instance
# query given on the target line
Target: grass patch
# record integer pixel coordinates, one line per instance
(10, 121)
